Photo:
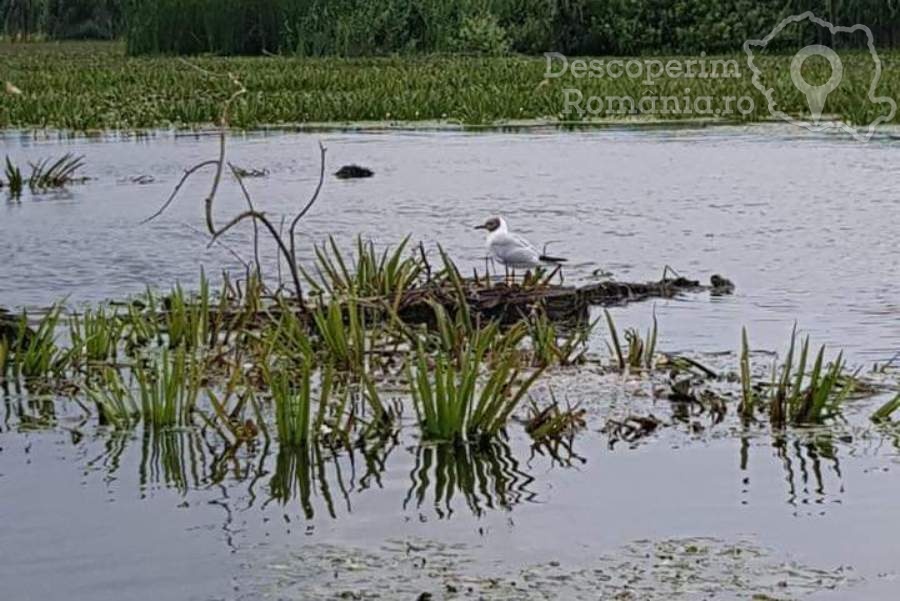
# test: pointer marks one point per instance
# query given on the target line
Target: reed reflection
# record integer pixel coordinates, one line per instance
(486, 476)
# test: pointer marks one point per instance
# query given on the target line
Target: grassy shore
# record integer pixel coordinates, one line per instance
(84, 86)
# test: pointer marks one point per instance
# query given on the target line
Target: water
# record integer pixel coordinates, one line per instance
(806, 227)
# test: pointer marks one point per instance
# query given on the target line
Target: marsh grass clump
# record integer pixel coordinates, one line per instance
(796, 396)
(299, 417)
(35, 354)
(453, 405)
(14, 180)
(48, 174)
(640, 351)
(344, 335)
(95, 336)
(168, 388)
(115, 404)
(369, 274)
(186, 320)
(553, 345)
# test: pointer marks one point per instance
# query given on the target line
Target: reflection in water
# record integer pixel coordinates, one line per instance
(806, 462)
(487, 476)
(803, 467)
(25, 409)
(174, 458)
(312, 470)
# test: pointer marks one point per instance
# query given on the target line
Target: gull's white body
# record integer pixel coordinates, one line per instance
(512, 250)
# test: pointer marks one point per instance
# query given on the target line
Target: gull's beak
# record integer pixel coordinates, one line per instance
(481, 227)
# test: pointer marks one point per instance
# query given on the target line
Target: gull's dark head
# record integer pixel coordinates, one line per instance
(491, 225)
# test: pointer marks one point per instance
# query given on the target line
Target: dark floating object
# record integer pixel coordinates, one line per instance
(247, 173)
(11, 329)
(353, 172)
(720, 285)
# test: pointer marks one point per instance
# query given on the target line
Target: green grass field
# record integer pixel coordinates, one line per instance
(85, 86)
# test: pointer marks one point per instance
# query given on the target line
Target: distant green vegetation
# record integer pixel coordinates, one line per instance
(377, 27)
(84, 86)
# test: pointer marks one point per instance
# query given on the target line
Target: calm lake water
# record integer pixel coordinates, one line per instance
(806, 227)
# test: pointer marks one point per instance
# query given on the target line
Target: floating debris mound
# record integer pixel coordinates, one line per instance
(512, 302)
(353, 172)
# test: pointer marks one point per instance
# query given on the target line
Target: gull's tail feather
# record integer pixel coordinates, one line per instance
(548, 259)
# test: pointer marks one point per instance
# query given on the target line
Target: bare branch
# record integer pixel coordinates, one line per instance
(187, 174)
(246, 193)
(278, 240)
(312, 200)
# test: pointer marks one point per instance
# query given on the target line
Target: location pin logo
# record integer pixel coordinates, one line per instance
(817, 95)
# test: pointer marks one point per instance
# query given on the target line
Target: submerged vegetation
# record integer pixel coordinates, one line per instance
(88, 86)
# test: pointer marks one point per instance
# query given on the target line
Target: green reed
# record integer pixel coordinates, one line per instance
(640, 351)
(748, 397)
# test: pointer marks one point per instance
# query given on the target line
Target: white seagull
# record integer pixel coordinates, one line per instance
(511, 249)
